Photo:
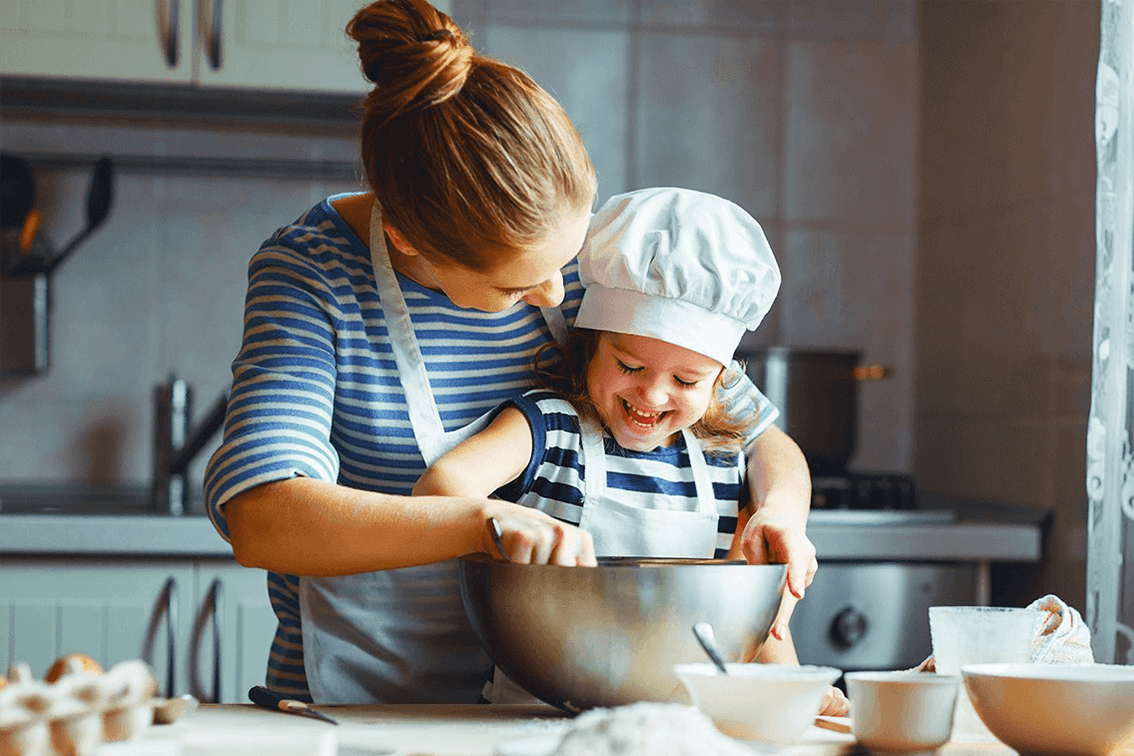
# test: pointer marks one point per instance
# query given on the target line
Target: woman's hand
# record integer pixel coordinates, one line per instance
(780, 487)
(835, 704)
(533, 537)
(775, 536)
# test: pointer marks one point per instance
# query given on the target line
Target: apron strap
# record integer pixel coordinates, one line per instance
(706, 499)
(594, 459)
(423, 413)
(425, 418)
(556, 323)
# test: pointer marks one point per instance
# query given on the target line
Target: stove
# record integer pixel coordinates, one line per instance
(854, 490)
(869, 613)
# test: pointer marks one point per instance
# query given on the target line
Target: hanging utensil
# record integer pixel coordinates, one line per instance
(19, 220)
(28, 262)
(100, 196)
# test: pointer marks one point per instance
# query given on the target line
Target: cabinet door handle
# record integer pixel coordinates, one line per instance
(211, 609)
(169, 19)
(166, 606)
(211, 12)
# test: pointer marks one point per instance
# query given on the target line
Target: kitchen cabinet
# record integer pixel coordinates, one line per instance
(297, 45)
(205, 624)
(232, 604)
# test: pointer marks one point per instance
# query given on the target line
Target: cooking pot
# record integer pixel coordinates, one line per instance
(816, 392)
(581, 637)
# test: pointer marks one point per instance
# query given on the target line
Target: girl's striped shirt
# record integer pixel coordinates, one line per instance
(554, 479)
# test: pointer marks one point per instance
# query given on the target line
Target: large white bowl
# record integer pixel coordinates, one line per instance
(774, 703)
(1057, 709)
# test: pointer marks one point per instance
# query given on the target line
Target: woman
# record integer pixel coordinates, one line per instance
(378, 328)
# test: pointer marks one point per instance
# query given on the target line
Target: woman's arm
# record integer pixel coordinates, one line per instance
(309, 527)
(304, 526)
(776, 532)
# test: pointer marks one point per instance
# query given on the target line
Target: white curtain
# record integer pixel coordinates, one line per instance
(1110, 430)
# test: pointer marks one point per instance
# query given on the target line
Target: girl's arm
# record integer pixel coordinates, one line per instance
(492, 458)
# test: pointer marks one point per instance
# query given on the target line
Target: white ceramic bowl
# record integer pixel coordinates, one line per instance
(774, 703)
(902, 712)
(1065, 709)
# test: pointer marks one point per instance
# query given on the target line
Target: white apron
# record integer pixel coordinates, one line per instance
(619, 529)
(398, 635)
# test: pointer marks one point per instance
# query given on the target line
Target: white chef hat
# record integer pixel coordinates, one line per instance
(677, 265)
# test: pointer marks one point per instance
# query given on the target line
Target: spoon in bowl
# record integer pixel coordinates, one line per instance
(703, 631)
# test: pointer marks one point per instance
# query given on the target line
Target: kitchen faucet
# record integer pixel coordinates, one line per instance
(176, 444)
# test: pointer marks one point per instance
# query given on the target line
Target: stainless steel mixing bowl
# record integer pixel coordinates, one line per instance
(581, 637)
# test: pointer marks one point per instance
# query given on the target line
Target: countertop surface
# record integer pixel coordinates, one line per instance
(424, 730)
(108, 523)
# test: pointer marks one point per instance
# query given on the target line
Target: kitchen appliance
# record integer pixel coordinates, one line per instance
(864, 613)
(874, 615)
(868, 613)
(864, 490)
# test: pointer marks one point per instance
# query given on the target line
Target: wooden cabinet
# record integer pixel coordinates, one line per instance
(205, 624)
(297, 45)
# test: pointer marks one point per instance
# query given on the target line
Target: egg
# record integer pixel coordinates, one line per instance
(71, 664)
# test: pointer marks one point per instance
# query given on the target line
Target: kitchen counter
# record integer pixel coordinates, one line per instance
(424, 730)
(110, 535)
(120, 521)
(837, 535)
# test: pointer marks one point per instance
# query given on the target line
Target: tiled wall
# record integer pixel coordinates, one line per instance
(1005, 264)
(157, 290)
(803, 112)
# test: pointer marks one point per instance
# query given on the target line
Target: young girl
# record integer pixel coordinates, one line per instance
(628, 437)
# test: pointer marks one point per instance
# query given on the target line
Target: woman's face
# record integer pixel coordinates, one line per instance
(532, 276)
(647, 390)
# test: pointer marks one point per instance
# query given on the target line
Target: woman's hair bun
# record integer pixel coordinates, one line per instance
(414, 54)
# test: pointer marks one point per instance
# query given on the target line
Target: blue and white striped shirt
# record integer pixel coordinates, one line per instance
(553, 481)
(316, 391)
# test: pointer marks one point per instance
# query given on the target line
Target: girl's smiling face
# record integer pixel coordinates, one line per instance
(647, 390)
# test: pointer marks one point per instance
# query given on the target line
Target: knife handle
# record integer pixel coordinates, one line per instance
(267, 699)
(261, 696)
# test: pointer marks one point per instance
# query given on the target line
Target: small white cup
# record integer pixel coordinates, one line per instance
(978, 635)
(902, 712)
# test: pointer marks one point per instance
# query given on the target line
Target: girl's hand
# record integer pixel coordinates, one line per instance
(533, 537)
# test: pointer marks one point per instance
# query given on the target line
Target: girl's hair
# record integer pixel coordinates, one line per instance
(470, 160)
(719, 431)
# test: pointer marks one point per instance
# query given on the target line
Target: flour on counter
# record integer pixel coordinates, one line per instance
(646, 729)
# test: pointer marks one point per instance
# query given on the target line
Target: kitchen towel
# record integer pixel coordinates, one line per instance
(1062, 637)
